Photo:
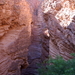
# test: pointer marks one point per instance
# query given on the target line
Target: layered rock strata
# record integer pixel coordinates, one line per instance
(59, 17)
(15, 32)
(49, 23)
(39, 48)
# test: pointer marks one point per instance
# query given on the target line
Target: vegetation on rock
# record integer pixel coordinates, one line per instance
(58, 66)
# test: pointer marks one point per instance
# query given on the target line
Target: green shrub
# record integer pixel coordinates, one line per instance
(57, 66)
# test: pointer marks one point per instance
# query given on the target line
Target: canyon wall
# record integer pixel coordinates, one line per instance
(52, 20)
(33, 30)
(15, 33)
(59, 16)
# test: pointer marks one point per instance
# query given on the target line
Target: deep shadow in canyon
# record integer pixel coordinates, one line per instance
(33, 30)
(43, 34)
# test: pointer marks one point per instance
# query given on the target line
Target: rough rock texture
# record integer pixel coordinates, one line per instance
(59, 42)
(61, 26)
(15, 32)
(49, 23)
(37, 52)
(52, 32)
(45, 45)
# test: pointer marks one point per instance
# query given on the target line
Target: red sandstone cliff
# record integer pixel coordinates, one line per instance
(15, 32)
(48, 24)
(59, 16)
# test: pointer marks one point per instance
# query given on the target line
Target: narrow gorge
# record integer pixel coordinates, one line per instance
(33, 30)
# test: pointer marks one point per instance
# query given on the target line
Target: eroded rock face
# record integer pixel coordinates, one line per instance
(61, 26)
(15, 32)
(37, 52)
(51, 28)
